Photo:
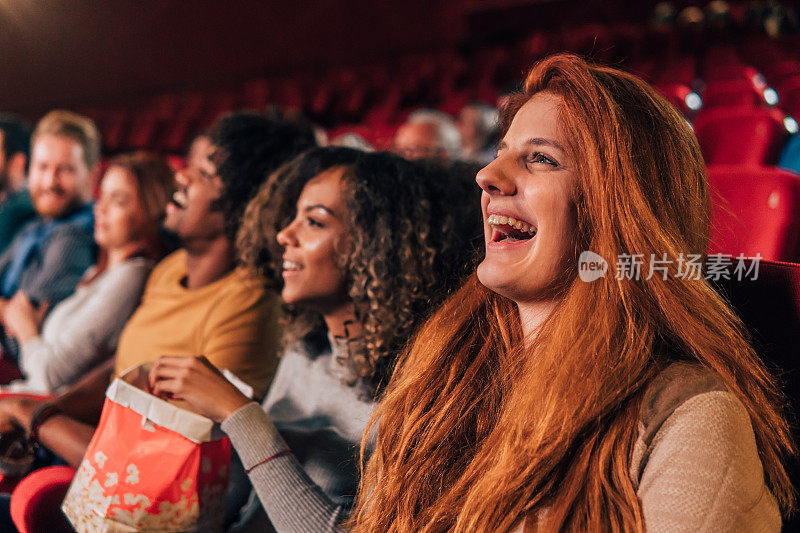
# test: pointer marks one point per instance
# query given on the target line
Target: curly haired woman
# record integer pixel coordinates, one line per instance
(363, 246)
(535, 401)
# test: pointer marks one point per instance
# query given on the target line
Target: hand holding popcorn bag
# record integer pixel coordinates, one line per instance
(150, 466)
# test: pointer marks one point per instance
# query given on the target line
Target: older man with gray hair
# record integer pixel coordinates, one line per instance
(428, 134)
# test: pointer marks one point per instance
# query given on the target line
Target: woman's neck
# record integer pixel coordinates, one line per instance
(342, 322)
(122, 253)
(533, 314)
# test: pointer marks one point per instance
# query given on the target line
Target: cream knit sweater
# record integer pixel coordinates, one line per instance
(695, 464)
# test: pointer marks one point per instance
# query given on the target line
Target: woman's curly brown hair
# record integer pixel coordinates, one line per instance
(413, 232)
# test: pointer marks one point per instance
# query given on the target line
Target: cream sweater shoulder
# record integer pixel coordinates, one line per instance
(695, 464)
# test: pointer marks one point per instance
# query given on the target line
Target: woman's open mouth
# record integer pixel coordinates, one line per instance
(509, 229)
(290, 268)
(179, 199)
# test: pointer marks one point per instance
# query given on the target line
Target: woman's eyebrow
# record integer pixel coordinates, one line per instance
(534, 141)
(540, 141)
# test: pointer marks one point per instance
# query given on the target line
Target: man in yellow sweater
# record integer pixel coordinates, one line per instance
(196, 301)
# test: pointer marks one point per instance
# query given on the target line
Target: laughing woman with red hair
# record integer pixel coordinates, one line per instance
(534, 400)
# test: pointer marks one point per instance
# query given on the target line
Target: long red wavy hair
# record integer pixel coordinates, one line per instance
(478, 430)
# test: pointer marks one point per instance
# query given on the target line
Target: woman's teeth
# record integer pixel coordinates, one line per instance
(291, 265)
(502, 222)
(179, 199)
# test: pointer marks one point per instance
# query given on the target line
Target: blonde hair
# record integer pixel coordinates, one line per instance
(74, 126)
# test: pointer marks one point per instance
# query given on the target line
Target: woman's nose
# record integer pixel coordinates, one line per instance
(494, 180)
(49, 178)
(286, 236)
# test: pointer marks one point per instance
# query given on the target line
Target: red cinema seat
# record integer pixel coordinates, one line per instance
(322, 98)
(114, 129)
(192, 104)
(165, 105)
(143, 131)
(677, 93)
(289, 94)
(770, 308)
(721, 55)
(36, 501)
(354, 100)
(386, 109)
(676, 70)
(779, 71)
(724, 71)
(730, 92)
(256, 94)
(755, 211)
(789, 94)
(217, 104)
(732, 72)
(176, 135)
(740, 135)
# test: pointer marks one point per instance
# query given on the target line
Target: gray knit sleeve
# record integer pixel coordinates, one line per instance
(702, 471)
(71, 345)
(293, 502)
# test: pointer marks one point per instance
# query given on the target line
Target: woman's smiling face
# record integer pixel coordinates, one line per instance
(312, 244)
(528, 206)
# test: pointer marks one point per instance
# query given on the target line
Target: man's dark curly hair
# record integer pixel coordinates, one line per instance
(248, 147)
(413, 231)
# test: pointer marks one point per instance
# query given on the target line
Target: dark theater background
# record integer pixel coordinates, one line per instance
(362, 66)
(153, 74)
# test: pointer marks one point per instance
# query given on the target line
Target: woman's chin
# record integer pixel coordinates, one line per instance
(518, 285)
(291, 296)
(494, 277)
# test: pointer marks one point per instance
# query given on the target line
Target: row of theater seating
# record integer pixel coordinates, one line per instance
(755, 211)
(732, 108)
(377, 98)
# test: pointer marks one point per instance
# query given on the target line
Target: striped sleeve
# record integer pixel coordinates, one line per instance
(8, 253)
(67, 255)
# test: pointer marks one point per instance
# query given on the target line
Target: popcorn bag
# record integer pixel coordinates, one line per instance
(151, 466)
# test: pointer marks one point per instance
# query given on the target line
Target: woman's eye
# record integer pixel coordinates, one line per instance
(541, 158)
(314, 223)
